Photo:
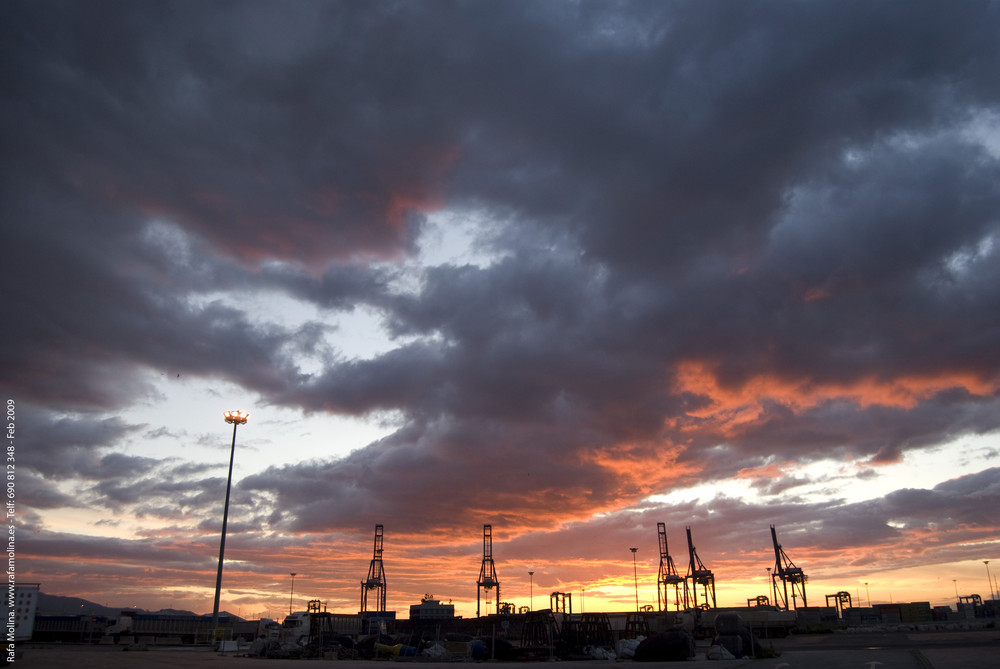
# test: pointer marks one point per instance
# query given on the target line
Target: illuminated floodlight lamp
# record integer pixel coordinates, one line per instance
(236, 417)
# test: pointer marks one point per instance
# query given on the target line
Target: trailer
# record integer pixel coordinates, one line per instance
(131, 627)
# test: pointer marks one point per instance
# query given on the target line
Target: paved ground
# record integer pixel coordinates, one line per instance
(927, 650)
(893, 650)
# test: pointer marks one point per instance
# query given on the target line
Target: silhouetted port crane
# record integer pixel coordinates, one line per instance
(561, 602)
(842, 600)
(668, 574)
(786, 571)
(376, 577)
(488, 572)
(698, 574)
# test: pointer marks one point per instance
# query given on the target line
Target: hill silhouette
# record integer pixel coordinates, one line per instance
(58, 605)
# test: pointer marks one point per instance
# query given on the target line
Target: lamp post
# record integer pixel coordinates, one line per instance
(955, 581)
(635, 578)
(291, 595)
(237, 418)
(531, 591)
(868, 594)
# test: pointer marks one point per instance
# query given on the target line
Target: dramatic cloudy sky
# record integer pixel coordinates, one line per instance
(568, 268)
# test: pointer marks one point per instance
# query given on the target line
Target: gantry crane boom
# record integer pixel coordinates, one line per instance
(786, 571)
(668, 576)
(488, 571)
(698, 574)
(376, 577)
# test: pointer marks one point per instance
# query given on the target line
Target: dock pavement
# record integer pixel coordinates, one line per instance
(927, 650)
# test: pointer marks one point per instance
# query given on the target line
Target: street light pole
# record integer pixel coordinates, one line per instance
(868, 594)
(635, 579)
(291, 595)
(236, 418)
(531, 591)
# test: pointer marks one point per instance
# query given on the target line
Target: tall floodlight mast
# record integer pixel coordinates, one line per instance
(488, 572)
(698, 574)
(668, 574)
(786, 571)
(376, 577)
(237, 418)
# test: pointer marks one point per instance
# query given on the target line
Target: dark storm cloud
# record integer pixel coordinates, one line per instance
(840, 427)
(35, 493)
(963, 501)
(149, 551)
(191, 116)
(137, 485)
(84, 184)
(59, 446)
(722, 232)
(690, 145)
(444, 462)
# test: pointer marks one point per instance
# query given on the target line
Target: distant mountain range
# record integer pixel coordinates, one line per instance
(56, 605)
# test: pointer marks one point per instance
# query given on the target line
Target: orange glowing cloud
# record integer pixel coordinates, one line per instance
(734, 407)
(771, 471)
(645, 469)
